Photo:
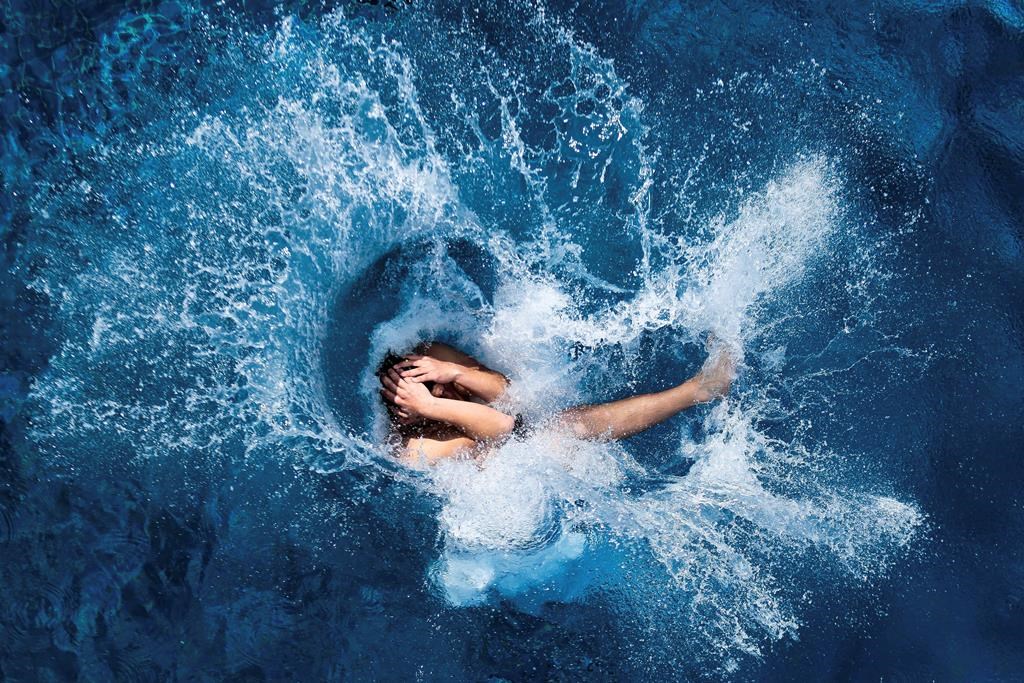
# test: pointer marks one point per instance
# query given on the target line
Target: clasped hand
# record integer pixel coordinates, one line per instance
(403, 384)
(411, 398)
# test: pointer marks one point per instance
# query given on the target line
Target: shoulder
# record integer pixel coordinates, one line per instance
(421, 448)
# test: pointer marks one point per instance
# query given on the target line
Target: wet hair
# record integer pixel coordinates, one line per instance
(390, 359)
(387, 362)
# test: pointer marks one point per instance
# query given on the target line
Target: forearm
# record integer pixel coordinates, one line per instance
(476, 421)
(629, 416)
(481, 382)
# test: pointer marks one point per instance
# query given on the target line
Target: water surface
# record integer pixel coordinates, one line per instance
(218, 217)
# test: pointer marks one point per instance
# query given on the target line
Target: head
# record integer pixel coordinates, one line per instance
(390, 360)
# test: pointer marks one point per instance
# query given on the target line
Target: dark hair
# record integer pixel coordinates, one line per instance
(390, 359)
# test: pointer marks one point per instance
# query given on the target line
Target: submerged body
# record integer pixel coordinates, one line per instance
(440, 401)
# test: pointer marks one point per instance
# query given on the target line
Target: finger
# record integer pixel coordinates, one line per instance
(413, 356)
(388, 384)
(395, 377)
(388, 396)
(416, 372)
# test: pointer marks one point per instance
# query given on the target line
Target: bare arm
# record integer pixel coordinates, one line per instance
(482, 382)
(621, 419)
(629, 416)
(443, 364)
(475, 420)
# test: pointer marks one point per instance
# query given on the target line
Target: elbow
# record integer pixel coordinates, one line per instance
(508, 425)
(503, 428)
(503, 382)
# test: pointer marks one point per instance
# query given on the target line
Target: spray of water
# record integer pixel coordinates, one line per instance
(510, 522)
(197, 264)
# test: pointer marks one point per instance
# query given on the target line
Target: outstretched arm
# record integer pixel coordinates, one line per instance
(629, 416)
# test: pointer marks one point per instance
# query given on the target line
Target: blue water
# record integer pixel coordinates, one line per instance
(217, 216)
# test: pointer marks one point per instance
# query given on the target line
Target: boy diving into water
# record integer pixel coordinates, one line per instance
(438, 400)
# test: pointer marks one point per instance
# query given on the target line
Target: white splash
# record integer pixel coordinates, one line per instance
(195, 314)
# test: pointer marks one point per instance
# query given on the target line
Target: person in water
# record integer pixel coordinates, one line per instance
(439, 403)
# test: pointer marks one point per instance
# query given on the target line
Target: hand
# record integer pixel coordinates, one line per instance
(388, 387)
(412, 398)
(426, 369)
(716, 376)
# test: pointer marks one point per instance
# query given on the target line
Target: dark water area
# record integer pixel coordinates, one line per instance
(217, 216)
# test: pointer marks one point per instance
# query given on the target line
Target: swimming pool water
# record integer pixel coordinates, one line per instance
(218, 216)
